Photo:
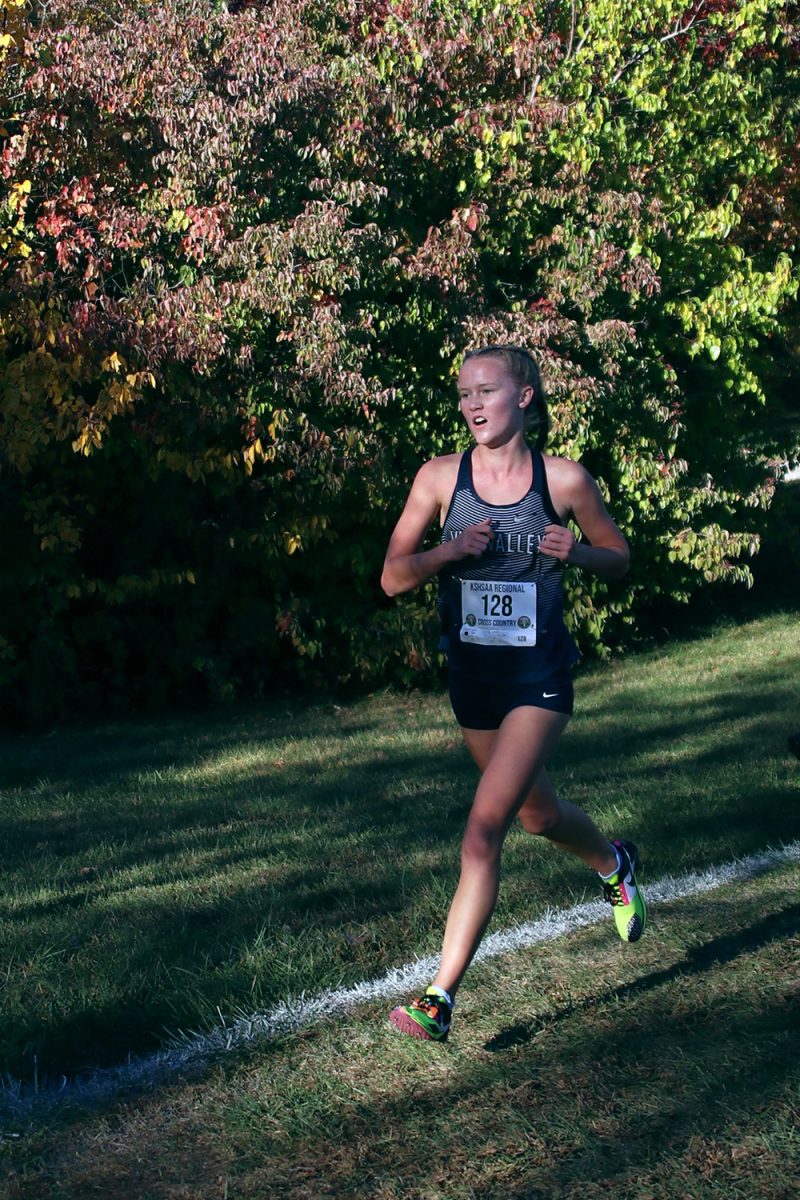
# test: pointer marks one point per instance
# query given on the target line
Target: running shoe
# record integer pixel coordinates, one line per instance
(428, 1017)
(622, 892)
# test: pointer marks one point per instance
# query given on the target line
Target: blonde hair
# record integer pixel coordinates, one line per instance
(524, 370)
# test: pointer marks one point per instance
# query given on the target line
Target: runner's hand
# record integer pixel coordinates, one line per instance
(557, 542)
(474, 540)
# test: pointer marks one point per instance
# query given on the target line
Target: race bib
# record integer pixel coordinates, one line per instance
(496, 613)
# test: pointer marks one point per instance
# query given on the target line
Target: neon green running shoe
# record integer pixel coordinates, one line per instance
(622, 892)
(427, 1018)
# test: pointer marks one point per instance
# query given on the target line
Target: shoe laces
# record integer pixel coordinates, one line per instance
(612, 891)
(432, 1005)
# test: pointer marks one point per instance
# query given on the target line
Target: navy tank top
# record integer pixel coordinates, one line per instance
(511, 558)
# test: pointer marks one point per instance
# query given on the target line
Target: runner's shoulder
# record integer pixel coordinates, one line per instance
(438, 475)
(570, 485)
(566, 476)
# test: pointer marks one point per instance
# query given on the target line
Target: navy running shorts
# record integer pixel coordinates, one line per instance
(480, 705)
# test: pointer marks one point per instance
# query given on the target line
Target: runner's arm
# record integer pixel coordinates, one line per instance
(406, 566)
(605, 553)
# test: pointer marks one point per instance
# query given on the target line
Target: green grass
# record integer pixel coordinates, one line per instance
(160, 872)
(665, 1071)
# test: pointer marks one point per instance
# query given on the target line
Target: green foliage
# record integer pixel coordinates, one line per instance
(243, 250)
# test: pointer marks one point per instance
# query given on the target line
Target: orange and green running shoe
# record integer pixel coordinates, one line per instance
(623, 893)
(428, 1017)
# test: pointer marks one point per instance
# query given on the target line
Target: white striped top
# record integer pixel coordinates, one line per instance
(512, 556)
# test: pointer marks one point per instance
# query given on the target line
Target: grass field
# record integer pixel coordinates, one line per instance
(162, 874)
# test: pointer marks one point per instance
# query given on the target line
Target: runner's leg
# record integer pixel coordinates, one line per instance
(546, 814)
(567, 826)
(514, 756)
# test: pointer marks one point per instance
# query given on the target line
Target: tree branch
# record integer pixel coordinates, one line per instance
(668, 37)
(572, 30)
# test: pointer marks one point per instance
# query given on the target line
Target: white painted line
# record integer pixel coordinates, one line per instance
(240, 1031)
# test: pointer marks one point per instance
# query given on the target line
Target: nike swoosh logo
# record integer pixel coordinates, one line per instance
(548, 695)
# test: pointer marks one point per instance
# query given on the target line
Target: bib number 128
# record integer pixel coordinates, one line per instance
(497, 606)
(498, 613)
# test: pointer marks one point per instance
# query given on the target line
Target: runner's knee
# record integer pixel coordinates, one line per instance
(540, 820)
(483, 839)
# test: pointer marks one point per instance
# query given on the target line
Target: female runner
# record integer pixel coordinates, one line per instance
(503, 507)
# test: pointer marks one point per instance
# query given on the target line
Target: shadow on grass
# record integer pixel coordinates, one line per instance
(72, 757)
(613, 1095)
(717, 952)
(180, 896)
(638, 1099)
(177, 893)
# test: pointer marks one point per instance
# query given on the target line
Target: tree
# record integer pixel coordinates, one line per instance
(244, 250)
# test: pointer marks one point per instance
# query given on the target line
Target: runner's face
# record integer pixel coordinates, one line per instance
(492, 402)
